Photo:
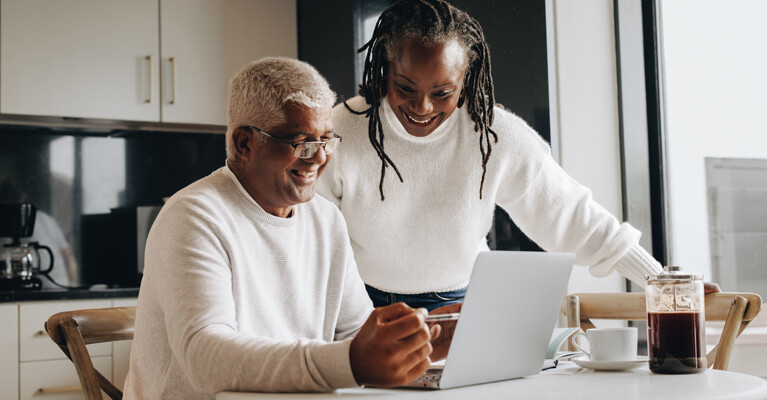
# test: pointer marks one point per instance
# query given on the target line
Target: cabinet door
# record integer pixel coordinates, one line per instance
(9, 345)
(57, 380)
(80, 58)
(34, 342)
(205, 42)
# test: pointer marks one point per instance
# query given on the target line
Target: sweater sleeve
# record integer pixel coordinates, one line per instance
(192, 282)
(559, 214)
(356, 305)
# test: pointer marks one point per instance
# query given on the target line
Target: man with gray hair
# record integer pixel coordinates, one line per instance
(249, 281)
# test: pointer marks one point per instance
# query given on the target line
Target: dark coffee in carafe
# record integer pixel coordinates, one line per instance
(676, 342)
(676, 320)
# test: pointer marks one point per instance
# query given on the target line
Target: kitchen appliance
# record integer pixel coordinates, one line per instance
(20, 261)
(114, 254)
(676, 332)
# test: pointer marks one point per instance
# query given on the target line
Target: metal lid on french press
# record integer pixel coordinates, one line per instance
(674, 273)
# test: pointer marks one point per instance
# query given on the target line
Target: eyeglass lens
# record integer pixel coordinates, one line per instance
(309, 149)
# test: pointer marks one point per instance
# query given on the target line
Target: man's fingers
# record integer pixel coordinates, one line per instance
(392, 312)
(393, 346)
(413, 342)
(418, 370)
(435, 331)
(419, 355)
(406, 326)
(415, 364)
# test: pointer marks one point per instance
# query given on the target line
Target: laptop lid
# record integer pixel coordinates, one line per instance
(508, 315)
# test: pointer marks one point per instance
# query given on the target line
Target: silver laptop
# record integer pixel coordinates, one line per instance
(508, 315)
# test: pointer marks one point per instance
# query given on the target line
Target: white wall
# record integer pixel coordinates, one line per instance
(587, 111)
(714, 64)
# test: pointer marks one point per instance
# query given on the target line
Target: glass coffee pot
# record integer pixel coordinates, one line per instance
(676, 322)
(22, 260)
(19, 260)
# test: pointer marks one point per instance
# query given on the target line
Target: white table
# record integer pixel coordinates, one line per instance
(585, 384)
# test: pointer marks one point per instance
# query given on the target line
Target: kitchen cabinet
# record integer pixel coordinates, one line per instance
(205, 42)
(9, 342)
(80, 58)
(32, 366)
(57, 379)
(142, 60)
(34, 342)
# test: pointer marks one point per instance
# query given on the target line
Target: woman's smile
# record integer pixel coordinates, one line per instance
(420, 122)
(424, 84)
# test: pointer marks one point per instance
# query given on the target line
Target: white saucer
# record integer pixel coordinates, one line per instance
(611, 365)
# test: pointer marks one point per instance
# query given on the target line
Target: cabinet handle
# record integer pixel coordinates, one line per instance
(60, 389)
(173, 79)
(40, 333)
(151, 78)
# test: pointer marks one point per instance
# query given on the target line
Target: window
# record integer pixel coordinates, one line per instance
(692, 87)
(713, 59)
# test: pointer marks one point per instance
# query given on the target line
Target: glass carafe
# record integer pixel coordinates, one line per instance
(676, 322)
(22, 260)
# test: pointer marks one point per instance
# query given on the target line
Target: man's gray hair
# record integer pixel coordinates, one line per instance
(258, 93)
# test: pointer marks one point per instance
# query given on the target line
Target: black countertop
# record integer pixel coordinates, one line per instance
(65, 294)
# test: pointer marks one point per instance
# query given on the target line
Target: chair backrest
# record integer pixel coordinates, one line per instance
(737, 310)
(72, 330)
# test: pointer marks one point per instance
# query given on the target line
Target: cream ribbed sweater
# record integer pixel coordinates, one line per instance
(425, 236)
(234, 298)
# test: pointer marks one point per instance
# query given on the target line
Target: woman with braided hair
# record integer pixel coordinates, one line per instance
(427, 154)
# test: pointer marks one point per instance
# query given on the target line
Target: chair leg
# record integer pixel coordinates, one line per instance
(711, 356)
(82, 360)
(573, 316)
(107, 387)
(730, 332)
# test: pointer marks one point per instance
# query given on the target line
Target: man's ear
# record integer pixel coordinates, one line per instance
(243, 143)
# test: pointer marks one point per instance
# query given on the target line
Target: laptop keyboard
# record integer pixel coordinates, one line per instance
(429, 377)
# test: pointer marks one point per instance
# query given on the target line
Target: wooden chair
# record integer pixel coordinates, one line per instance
(72, 330)
(737, 310)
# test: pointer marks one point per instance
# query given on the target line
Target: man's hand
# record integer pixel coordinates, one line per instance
(441, 342)
(392, 348)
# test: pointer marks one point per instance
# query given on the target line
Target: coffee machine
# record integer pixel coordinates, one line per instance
(20, 260)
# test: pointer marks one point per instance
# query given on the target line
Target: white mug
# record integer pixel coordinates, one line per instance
(609, 344)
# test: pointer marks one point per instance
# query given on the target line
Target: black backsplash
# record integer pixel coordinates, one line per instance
(71, 176)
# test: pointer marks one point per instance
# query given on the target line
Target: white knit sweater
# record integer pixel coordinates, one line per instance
(234, 298)
(426, 234)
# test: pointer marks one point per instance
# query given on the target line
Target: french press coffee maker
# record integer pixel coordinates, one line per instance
(20, 261)
(676, 322)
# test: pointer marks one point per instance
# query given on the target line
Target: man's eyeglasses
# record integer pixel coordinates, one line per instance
(305, 149)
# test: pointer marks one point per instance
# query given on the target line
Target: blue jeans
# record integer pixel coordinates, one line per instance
(429, 301)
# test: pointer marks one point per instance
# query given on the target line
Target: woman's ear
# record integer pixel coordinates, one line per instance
(242, 138)
(461, 99)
